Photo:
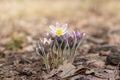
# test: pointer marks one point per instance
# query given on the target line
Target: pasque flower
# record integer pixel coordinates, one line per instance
(70, 38)
(78, 34)
(44, 45)
(46, 42)
(72, 41)
(58, 29)
(48, 35)
(59, 45)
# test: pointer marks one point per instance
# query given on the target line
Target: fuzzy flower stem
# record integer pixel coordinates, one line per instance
(45, 59)
(73, 56)
(54, 58)
(58, 57)
(47, 63)
(77, 48)
(62, 57)
(61, 53)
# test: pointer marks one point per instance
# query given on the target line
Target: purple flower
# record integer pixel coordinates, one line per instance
(48, 35)
(73, 38)
(44, 46)
(78, 34)
(70, 38)
(45, 42)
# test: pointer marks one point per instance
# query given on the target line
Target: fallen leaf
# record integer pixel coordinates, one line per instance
(67, 69)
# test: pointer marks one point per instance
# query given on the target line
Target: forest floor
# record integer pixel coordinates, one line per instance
(23, 22)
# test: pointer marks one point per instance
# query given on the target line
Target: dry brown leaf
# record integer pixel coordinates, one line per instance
(67, 69)
(89, 71)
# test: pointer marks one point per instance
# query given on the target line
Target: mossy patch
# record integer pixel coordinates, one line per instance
(15, 41)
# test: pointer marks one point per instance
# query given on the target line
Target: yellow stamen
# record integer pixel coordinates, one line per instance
(59, 31)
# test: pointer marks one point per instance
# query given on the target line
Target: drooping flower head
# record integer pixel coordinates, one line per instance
(58, 29)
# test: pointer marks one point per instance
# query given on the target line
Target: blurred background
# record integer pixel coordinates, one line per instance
(21, 19)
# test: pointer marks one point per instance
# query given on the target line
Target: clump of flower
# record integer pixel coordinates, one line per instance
(59, 45)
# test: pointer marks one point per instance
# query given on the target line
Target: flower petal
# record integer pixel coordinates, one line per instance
(64, 27)
(54, 32)
(52, 27)
(84, 34)
(57, 25)
(64, 32)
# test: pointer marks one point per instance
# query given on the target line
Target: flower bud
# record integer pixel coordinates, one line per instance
(44, 46)
(78, 34)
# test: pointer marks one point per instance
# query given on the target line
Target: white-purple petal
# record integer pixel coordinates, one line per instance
(52, 27)
(64, 27)
(57, 25)
(53, 32)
